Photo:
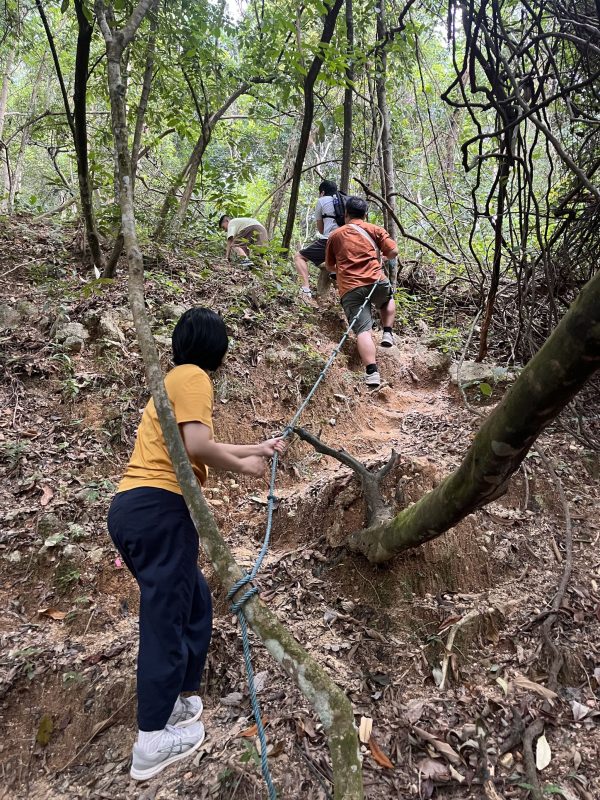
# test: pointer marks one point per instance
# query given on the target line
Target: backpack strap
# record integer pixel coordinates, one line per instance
(367, 236)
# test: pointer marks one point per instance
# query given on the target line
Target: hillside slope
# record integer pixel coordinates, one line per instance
(72, 393)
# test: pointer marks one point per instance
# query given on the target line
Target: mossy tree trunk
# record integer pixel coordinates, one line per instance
(330, 703)
(552, 377)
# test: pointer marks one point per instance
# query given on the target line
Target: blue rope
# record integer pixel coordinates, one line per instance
(237, 606)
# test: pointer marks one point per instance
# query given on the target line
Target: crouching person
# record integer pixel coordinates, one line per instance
(152, 529)
(354, 253)
(243, 233)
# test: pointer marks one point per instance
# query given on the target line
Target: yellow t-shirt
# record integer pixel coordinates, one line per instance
(191, 394)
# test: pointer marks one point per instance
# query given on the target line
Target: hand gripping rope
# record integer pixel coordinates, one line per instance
(237, 606)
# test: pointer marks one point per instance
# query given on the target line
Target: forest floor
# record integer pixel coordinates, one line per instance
(68, 622)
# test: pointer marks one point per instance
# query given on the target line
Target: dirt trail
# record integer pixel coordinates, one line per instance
(68, 623)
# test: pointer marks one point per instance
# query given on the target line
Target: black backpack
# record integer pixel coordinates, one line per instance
(339, 208)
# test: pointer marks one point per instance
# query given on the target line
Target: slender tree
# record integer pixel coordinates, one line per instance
(330, 703)
(5, 177)
(309, 112)
(388, 190)
(77, 119)
(348, 101)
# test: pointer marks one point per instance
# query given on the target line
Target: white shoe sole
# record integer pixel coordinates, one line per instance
(386, 344)
(146, 774)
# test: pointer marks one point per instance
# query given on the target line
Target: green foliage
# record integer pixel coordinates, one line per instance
(410, 309)
(447, 340)
(250, 755)
(72, 679)
(66, 576)
(13, 454)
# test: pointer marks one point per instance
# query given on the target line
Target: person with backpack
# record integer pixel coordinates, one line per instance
(354, 253)
(329, 216)
(152, 529)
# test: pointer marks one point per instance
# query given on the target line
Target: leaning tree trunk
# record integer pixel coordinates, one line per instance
(307, 120)
(279, 194)
(348, 98)
(190, 172)
(330, 703)
(192, 175)
(553, 376)
(387, 153)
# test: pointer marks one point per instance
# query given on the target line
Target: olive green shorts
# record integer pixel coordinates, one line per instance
(353, 300)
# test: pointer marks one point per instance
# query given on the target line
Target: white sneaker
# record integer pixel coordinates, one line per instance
(307, 297)
(373, 380)
(172, 744)
(387, 340)
(186, 711)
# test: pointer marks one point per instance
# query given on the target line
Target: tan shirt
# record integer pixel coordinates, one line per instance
(238, 224)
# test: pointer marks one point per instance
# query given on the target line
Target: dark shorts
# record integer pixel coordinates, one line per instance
(252, 235)
(353, 300)
(315, 251)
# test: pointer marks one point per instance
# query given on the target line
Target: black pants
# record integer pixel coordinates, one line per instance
(155, 535)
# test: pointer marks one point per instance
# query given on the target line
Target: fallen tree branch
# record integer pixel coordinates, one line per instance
(98, 729)
(487, 781)
(473, 614)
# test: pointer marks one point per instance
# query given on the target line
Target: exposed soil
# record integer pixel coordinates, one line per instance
(68, 622)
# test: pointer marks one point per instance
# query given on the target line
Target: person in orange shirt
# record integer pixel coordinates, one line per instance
(151, 527)
(354, 254)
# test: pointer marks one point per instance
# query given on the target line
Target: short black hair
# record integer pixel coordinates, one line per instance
(223, 216)
(356, 207)
(200, 338)
(328, 187)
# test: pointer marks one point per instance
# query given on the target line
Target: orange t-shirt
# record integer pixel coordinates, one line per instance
(191, 394)
(353, 257)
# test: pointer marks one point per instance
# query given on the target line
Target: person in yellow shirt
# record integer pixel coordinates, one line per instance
(151, 527)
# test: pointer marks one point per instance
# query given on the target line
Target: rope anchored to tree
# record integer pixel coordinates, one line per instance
(237, 606)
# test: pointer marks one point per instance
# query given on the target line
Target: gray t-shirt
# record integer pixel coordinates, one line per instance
(325, 206)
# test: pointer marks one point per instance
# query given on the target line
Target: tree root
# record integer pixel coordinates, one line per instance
(535, 729)
(550, 380)
(378, 511)
(554, 652)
